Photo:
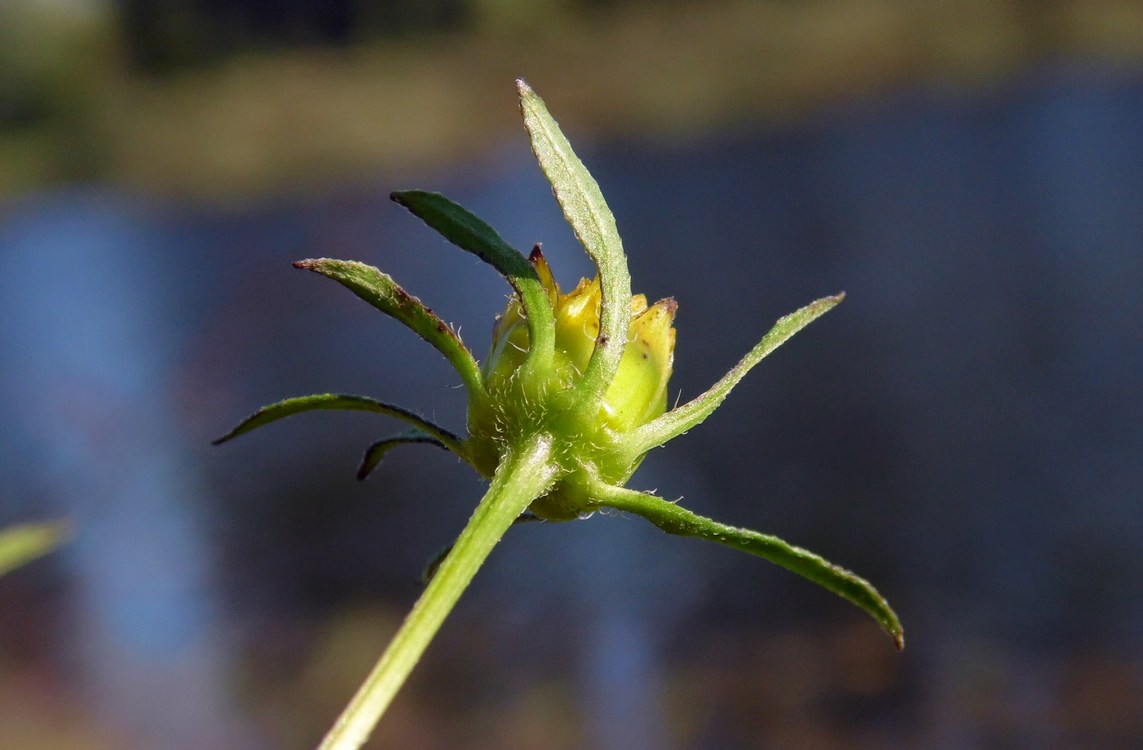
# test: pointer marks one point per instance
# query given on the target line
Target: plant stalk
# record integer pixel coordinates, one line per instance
(523, 475)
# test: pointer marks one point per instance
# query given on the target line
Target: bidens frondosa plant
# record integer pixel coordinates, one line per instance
(569, 400)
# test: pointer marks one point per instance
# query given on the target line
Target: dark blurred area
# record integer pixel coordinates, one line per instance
(963, 430)
(164, 36)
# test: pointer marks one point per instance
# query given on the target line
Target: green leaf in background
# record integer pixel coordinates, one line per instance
(23, 543)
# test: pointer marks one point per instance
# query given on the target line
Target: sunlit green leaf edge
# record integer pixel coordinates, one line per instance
(677, 421)
(471, 233)
(342, 402)
(378, 450)
(380, 291)
(23, 543)
(675, 519)
(586, 211)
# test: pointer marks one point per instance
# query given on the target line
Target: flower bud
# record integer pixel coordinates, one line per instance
(636, 395)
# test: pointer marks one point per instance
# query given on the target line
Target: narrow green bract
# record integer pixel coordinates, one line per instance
(594, 225)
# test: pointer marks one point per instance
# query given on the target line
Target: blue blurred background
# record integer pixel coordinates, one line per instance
(964, 430)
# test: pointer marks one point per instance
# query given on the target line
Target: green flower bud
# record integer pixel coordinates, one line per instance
(591, 437)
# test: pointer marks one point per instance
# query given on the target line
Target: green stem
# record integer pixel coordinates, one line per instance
(523, 475)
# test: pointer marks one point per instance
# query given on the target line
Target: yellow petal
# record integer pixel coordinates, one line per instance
(544, 271)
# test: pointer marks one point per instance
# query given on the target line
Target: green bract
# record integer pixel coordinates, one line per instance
(571, 397)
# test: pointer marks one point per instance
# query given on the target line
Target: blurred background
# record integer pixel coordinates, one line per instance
(964, 430)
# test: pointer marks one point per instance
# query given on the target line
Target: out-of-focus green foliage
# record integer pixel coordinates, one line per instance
(24, 543)
(219, 101)
(55, 61)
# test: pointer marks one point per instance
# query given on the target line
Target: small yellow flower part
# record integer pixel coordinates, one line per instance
(639, 392)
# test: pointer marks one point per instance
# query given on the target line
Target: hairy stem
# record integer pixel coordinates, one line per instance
(524, 475)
